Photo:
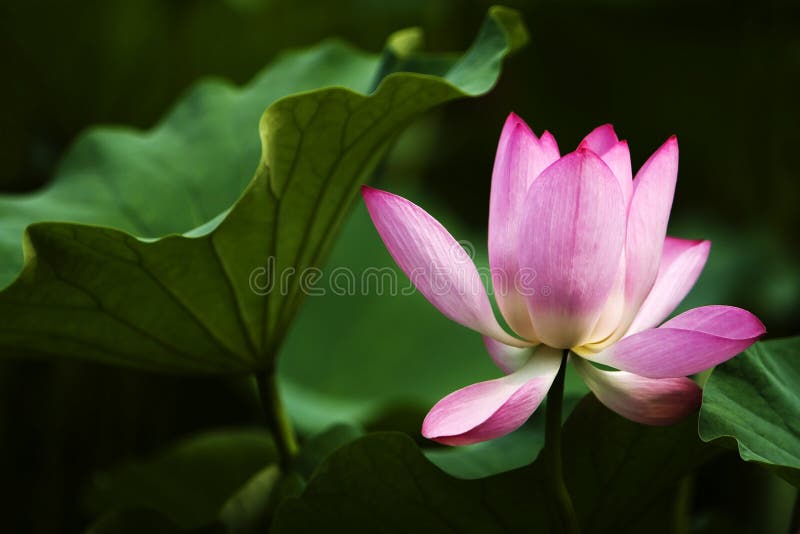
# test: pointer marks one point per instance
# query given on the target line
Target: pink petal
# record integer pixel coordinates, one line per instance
(693, 341)
(653, 190)
(573, 231)
(506, 357)
(618, 159)
(603, 142)
(604, 332)
(519, 160)
(601, 139)
(645, 400)
(491, 409)
(681, 264)
(719, 320)
(434, 261)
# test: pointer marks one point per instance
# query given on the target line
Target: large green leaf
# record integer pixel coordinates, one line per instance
(187, 303)
(753, 402)
(620, 474)
(383, 483)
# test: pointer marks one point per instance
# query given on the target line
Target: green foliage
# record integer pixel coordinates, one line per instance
(186, 303)
(318, 447)
(225, 480)
(190, 482)
(383, 483)
(250, 508)
(135, 521)
(752, 402)
(620, 474)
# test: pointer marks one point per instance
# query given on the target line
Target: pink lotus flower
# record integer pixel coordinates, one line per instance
(579, 260)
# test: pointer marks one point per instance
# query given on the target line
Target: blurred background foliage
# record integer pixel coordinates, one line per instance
(723, 76)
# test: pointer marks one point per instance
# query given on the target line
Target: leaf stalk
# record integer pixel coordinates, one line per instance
(277, 421)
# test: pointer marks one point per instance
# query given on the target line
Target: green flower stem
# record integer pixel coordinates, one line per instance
(682, 513)
(552, 452)
(276, 418)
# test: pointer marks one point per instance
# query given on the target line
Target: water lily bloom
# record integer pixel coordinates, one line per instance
(580, 260)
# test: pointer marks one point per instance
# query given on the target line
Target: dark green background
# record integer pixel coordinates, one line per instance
(723, 76)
